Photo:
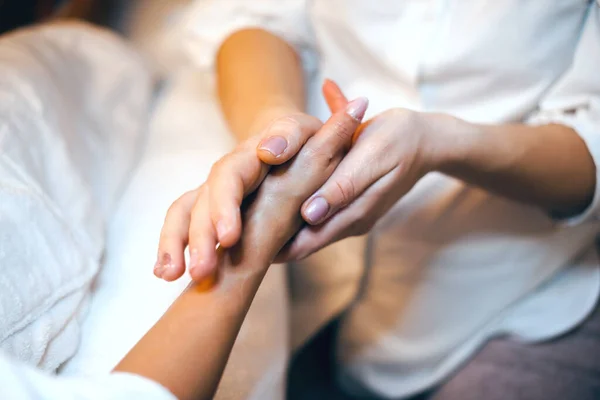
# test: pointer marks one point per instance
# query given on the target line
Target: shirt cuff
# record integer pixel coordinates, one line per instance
(588, 128)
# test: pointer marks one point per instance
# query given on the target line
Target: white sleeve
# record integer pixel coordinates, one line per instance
(574, 101)
(19, 381)
(207, 23)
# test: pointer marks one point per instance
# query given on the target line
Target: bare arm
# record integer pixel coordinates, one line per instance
(186, 351)
(262, 95)
(258, 74)
(547, 166)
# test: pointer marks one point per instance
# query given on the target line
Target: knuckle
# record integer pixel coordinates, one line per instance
(316, 158)
(173, 210)
(346, 190)
(284, 126)
(401, 116)
(178, 206)
(217, 166)
(344, 129)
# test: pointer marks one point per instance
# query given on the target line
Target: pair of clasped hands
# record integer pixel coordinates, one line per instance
(296, 187)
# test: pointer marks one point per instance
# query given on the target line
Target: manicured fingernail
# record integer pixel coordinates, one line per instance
(222, 229)
(317, 210)
(275, 145)
(357, 108)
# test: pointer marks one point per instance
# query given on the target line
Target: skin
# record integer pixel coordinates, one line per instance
(546, 166)
(187, 350)
(267, 105)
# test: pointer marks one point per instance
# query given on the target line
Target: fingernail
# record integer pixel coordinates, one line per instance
(357, 108)
(275, 145)
(317, 210)
(222, 229)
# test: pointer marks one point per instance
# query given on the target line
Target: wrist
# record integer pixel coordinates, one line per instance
(448, 141)
(272, 109)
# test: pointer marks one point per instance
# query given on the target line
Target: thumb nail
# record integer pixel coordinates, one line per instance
(275, 145)
(357, 108)
(317, 210)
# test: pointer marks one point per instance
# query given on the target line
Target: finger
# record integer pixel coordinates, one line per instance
(334, 96)
(353, 220)
(170, 264)
(282, 193)
(285, 137)
(231, 180)
(203, 239)
(336, 134)
(368, 161)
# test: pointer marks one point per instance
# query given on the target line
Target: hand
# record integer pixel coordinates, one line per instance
(272, 216)
(282, 132)
(391, 152)
(211, 213)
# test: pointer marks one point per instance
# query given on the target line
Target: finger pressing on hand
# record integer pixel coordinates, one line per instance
(324, 150)
(231, 179)
(202, 238)
(281, 195)
(334, 96)
(362, 167)
(285, 136)
(170, 264)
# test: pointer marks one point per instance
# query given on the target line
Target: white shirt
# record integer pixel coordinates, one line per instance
(450, 266)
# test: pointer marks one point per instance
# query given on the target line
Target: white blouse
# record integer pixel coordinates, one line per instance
(451, 265)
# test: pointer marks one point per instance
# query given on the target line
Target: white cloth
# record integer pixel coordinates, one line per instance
(73, 101)
(451, 265)
(64, 90)
(22, 382)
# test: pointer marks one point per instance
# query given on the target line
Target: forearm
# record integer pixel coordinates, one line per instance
(546, 166)
(187, 350)
(257, 71)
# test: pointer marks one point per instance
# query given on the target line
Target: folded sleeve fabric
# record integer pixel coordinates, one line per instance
(574, 101)
(207, 23)
(20, 381)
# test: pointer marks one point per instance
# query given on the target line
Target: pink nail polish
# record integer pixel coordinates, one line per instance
(317, 210)
(357, 108)
(275, 145)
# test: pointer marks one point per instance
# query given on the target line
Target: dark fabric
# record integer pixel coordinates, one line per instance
(567, 368)
(17, 13)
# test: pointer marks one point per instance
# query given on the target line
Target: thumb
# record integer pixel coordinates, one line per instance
(334, 96)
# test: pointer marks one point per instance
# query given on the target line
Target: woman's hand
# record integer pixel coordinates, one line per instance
(211, 214)
(391, 152)
(187, 350)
